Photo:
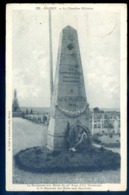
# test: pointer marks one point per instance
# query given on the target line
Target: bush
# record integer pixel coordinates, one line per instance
(46, 162)
(95, 138)
(110, 135)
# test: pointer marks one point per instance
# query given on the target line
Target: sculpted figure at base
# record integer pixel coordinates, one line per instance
(78, 137)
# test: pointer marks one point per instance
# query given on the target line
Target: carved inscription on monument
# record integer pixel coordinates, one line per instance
(71, 94)
(70, 98)
(72, 103)
(70, 74)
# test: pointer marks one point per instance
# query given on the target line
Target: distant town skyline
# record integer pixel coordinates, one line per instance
(99, 40)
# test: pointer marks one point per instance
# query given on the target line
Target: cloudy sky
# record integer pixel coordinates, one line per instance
(99, 40)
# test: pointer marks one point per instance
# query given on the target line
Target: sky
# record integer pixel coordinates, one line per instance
(99, 41)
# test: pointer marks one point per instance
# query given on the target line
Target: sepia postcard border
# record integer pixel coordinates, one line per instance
(123, 104)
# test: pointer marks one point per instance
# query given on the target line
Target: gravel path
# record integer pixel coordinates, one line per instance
(28, 134)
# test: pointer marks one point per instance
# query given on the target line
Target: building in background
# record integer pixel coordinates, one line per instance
(105, 122)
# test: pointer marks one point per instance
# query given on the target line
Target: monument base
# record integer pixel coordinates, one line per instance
(43, 160)
(56, 136)
(57, 131)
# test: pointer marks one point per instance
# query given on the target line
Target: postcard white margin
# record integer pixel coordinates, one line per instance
(123, 102)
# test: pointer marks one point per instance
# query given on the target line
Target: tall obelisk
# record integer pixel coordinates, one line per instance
(15, 107)
(69, 102)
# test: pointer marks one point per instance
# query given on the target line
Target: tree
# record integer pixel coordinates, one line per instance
(26, 111)
(31, 111)
(96, 109)
(109, 124)
(67, 135)
(44, 119)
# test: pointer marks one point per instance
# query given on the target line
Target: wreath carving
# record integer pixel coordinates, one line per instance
(72, 113)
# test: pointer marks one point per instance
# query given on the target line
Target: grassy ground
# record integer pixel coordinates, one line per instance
(38, 159)
(107, 140)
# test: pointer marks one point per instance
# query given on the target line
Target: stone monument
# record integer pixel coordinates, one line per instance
(69, 147)
(69, 108)
(15, 107)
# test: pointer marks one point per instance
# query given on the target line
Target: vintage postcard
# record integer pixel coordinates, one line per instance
(66, 119)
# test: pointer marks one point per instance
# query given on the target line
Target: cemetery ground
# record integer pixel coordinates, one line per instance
(107, 140)
(26, 135)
